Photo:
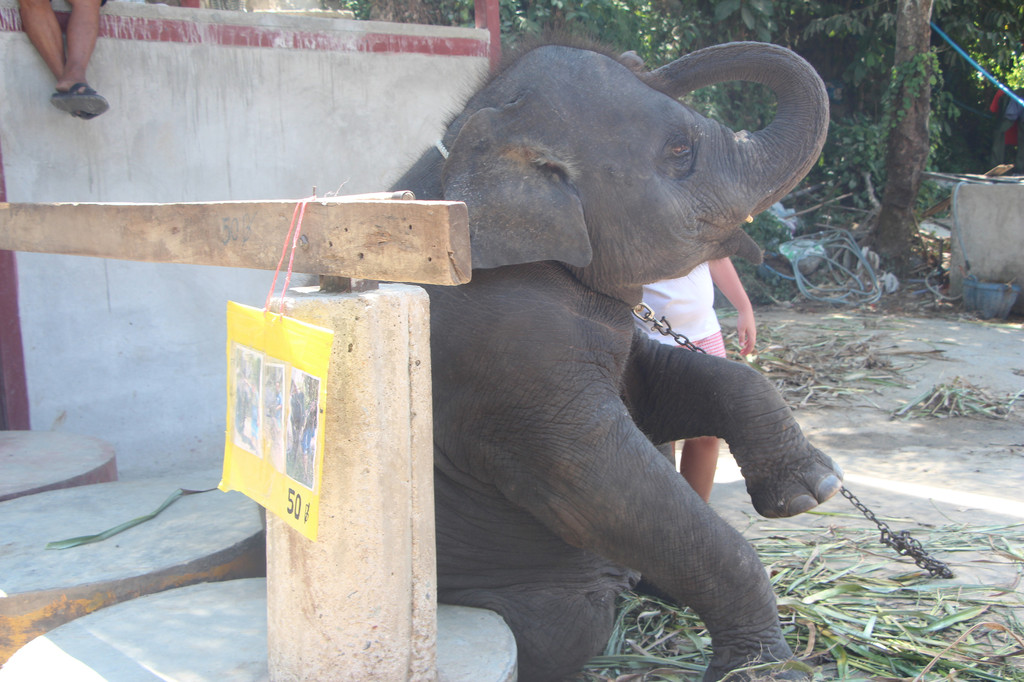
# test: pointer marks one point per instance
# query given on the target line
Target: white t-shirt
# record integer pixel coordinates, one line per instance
(688, 303)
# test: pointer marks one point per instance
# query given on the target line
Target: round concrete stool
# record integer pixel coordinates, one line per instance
(209, 536)
(36, 461)
(474, 645)
(218, 631)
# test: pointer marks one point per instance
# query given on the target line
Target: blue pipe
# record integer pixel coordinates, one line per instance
(976, 65)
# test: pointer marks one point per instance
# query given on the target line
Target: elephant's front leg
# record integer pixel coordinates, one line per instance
(599, 484)
(675, 393)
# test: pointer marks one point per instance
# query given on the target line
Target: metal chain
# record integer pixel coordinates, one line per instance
(901, 541)
(644, 313)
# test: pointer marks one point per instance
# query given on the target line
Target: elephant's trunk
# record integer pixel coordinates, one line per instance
(779, 156)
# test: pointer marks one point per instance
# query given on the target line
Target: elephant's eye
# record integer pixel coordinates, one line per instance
(678, 159)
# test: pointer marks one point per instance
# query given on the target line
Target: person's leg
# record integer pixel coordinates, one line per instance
(42, 29)
(698, 459)
(83, 28)
(698, 463)
(1020, 145)
(999, 141)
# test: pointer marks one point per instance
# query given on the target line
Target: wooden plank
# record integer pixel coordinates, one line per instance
(365, 237)
(944, 204)
(969, 177)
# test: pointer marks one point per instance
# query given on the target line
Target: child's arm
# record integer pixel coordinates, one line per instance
(723, 274)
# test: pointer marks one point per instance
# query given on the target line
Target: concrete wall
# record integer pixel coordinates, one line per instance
(205, 105)
(990, 222)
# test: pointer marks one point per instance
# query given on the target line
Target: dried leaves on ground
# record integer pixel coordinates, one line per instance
(825, 367)
(849, 612)
(842, 359)
(957, 398)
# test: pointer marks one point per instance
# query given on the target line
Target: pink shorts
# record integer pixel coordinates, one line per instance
(712, 345)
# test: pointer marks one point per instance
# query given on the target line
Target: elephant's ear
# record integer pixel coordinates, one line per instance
(522, 204)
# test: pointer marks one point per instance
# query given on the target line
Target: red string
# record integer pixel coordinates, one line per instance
(296, 227)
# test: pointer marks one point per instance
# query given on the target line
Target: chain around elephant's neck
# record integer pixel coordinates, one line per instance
(645, 314)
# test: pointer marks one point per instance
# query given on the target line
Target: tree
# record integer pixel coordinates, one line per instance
(907, 150)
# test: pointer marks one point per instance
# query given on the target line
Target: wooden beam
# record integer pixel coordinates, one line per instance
(944, 204)
(365, 236)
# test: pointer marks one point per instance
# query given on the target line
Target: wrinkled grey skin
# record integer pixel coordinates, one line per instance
(585, 178)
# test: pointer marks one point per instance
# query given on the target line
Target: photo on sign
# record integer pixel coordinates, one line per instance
(273, 412)
(303, 427)
(246, 370)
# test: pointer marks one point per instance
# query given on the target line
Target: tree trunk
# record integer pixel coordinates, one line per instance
(907, 152)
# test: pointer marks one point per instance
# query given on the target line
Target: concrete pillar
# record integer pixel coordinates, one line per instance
(990, 220)
(360, 603)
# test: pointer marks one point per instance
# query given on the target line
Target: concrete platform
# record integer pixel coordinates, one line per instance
(218, 632)
(210, 536)
(474, 645)
(36, 461)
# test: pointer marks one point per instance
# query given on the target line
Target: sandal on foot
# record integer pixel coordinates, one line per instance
(81, 99)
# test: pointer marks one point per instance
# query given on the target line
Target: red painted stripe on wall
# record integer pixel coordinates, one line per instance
(174, 31)
(13, 385)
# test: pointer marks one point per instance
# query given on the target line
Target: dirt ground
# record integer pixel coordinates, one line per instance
(847, 371)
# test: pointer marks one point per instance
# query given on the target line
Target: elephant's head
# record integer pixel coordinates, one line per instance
(574, 156)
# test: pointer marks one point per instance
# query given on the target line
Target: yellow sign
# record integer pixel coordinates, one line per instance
(277, 394)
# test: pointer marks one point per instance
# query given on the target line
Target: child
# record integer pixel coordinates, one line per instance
(688, 305)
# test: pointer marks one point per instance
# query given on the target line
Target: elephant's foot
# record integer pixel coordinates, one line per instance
(730, 665)
(759, 673)
(793, 486)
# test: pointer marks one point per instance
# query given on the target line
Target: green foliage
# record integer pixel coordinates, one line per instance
(756, 16)
(658, 30)
(769, 231)
(1015, 74)
(990, 31)
(865, 35)
(855, 147)
(907, 81)
(762, 284)
(741, 106)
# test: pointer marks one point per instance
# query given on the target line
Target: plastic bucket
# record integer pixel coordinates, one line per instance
(989, 299)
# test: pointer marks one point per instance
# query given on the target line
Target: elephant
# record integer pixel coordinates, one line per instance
(585, 178)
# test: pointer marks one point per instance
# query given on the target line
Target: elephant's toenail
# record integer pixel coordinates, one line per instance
(800, 504)
(828, 487)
